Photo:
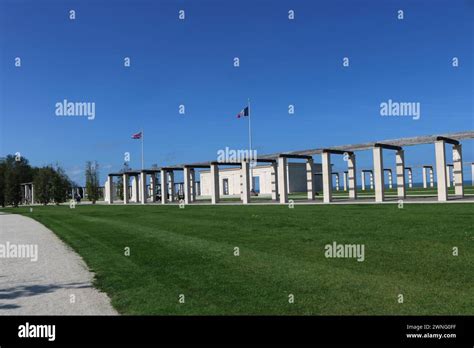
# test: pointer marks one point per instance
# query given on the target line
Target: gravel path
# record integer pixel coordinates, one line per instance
(58, 283)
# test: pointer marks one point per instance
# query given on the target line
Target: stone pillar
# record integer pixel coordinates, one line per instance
(327, 177)
(362, 180)
(378, 173)
(410, 177)
(337, 180)
(32, 193)
(274, 181)
(283, 179)
(440, 152)
(125, 188)
(310, 179)
(164, 186)
(457, 171)
(214, 183)
(448, 175)
(171, 189)
(371, 180)
(192, 178)
(143, 192)
(472, 174)
(245, 180)
(187, 185)
(344, 180)
(431, 177)
(136, 188)
(153, 182)
(110, 189)
(390, 179)
(425, 185)
(400, 172)
(351, 176)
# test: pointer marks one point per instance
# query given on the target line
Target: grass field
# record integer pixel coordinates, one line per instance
(368, 193)
(190, 251)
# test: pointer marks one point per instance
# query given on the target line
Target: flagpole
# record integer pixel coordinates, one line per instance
(143, 135)
(250, 145)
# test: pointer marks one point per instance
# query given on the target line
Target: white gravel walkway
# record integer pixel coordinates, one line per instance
(58, 283)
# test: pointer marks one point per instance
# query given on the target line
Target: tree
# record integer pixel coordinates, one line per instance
(14, 170)
(92, 181)
(60, 186)
(43, 183)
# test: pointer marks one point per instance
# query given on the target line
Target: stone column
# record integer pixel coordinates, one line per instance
(410, 177)
(351, 176)
(192, 174)
(448, 175)
(110, 189)
(472, 174)
(440, 152)
(164, 186)
(431, 177)
(337, 181)
(344, 180)
(153, 187)
(457, 171)
(362, 180)
(171, 188)
(135, 188)
(125, 188)
(143, 193)
(327, 177)
(400, 172)
(214, 183)
(390, 179)
(187, 185)
(378, 173)
(310, 179)
(283, 179)
(245, 177)
(425, 184)
(274, 181)
(371, 179)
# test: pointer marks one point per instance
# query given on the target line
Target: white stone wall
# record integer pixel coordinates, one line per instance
(296, 172)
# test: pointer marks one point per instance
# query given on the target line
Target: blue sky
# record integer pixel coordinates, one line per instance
(190, 62)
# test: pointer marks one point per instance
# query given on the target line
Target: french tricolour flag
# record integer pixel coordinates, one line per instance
(243, 112)
(137, 135)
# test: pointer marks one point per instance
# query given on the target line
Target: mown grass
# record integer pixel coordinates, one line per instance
(190, 251)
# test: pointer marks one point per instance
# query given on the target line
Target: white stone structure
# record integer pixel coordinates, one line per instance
(230, 179)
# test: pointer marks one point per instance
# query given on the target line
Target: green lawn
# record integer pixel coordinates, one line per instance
(368, 193)
(190, 251)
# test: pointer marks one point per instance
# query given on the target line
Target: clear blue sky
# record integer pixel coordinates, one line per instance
(190, 62)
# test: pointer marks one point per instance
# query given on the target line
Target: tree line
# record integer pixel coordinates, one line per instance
(51, 184)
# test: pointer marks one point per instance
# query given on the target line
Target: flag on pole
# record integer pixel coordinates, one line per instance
(244, 112)
(137, 135)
